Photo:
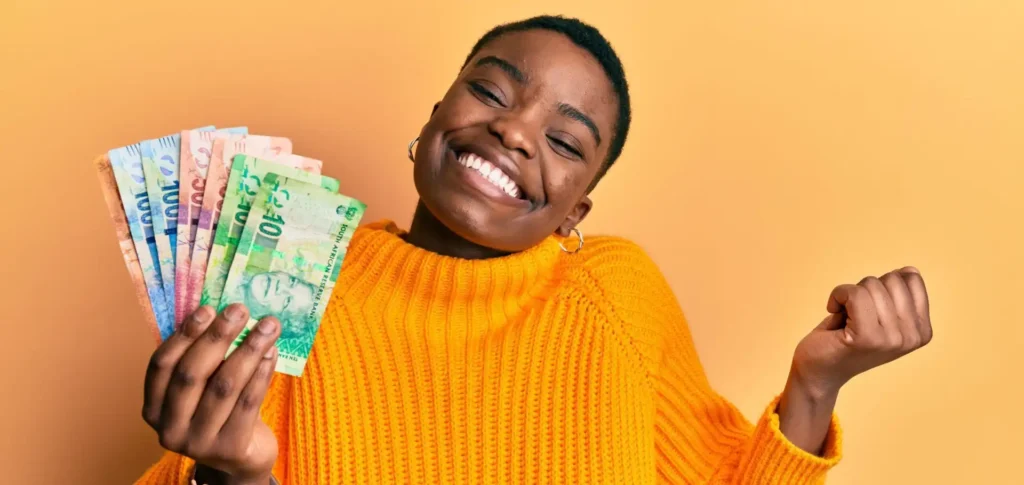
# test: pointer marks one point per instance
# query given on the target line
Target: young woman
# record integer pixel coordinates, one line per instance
(489, 344)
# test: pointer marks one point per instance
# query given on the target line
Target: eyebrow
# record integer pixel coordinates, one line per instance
(578, 115)
(504, 65)
(518, 76)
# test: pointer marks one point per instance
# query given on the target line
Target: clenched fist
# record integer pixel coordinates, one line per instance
(871, 323)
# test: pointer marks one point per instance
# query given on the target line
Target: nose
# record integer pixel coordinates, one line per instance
(515, 133)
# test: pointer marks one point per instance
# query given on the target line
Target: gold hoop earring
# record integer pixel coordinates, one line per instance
(579, 236)
(413, 142)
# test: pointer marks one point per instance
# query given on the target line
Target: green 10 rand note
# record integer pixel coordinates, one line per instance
(243, 184)
(288, 260)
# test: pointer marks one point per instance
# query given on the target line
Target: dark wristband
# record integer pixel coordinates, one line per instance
(192, 479)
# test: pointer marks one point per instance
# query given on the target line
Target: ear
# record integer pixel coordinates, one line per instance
(575, 217)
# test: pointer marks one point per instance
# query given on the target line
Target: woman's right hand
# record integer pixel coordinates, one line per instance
(207, 408)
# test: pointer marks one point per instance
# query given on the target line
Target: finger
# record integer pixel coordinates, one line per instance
(861, 319)
(900, 294)
(907, 315)
(919, 294)
(195, 367)
(840, 296)
(884, 306)
(240, 423)
(888, 317)
(228, 382)
(165, 359)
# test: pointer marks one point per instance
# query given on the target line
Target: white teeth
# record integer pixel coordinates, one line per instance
(491, 173)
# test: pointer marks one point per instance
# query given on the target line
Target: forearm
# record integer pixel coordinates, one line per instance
(805, 415)
(205, 475)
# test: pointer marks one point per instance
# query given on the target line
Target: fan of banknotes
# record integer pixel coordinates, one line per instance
(217, 216)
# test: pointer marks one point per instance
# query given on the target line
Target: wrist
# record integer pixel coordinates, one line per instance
(805, 413)
(809, 397)
(811, 387)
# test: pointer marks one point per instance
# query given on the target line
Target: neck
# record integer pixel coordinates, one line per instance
(429, 233)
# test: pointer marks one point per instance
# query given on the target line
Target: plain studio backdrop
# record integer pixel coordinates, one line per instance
(777, 151)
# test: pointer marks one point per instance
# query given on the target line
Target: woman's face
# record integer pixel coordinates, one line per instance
(280, 294)
(542, 111)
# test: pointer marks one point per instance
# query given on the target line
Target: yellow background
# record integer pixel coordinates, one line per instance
(778, 150)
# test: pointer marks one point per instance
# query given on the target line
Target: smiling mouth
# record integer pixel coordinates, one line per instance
(491, 173)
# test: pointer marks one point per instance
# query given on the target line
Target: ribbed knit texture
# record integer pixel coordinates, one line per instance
(540, 367)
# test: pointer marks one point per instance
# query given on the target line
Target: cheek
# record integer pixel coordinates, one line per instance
(273, 303)
(307, 302)
(567, 184)
(459, 109)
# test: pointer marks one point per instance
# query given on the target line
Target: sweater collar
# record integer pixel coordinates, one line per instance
(381, 265)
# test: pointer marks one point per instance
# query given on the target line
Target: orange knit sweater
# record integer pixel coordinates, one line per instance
(540, 367)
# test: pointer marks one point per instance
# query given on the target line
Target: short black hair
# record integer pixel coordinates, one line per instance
(590, 39)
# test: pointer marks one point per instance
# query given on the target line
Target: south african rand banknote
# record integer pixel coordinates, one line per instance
(213, 200)
(160, 166)
(244, 180)
(196, 147)
(108, 185)
(126, 163)
(288, 260)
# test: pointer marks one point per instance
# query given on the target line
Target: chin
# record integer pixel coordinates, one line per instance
(469, 220)
(472, 210)
(476, 223)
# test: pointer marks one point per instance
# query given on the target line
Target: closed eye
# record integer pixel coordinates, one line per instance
(480, 90)
(565, 147)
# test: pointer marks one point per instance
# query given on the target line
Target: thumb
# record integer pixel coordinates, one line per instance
(834, 321)
(835, 325)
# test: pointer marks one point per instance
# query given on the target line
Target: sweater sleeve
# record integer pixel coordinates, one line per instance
(699, 436)
(175, 469)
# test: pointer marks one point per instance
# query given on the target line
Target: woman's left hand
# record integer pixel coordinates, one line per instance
(871, 323)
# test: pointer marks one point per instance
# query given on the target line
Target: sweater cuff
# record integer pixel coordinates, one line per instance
(775, 460)
(186, 470)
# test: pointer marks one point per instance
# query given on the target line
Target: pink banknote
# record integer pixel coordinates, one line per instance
(196, 150)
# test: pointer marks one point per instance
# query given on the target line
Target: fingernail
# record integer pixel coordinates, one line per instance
(910, 269)
(203, 316)
(235, 312)
(198, 322)
(266, 326)
(270, 352)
